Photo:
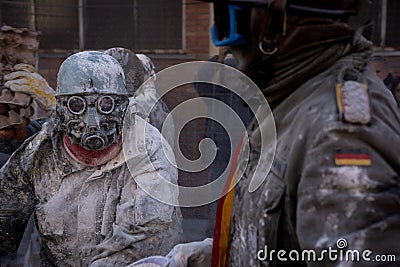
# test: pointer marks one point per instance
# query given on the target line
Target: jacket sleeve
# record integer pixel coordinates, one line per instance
(17, 200)
(143, 225)
(349, 193)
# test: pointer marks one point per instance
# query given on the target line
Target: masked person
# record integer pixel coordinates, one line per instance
(334, 180)
(144, 97)
(80, 183)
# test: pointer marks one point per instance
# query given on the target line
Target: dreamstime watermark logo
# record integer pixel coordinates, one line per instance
(211, 73)
(341, 253)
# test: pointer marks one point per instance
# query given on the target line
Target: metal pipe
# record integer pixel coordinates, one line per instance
(135, 23)
(81, 26)
(1, 12)
(184, 25)
(383, 23)
(32, 15)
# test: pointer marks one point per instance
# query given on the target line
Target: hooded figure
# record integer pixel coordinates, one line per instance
(333, 187)
(78, 175)
(147, 104)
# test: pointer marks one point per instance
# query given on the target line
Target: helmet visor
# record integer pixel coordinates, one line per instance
(231, 24)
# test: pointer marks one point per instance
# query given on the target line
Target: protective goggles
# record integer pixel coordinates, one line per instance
(77, 105)
(231, 24)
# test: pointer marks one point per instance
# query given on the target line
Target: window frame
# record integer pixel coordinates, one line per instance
(31, 5)
(383, 49)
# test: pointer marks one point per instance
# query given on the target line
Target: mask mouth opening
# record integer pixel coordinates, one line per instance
(231, 24)
(94, 141)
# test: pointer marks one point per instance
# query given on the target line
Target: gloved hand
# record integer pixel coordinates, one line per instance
(194, 254)
(24, 79)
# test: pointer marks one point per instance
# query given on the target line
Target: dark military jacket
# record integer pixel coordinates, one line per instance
(334, 180)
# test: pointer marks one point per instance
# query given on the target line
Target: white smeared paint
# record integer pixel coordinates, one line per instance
(322, 241)
(350, 179)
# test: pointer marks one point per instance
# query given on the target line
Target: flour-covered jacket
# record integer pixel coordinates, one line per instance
(334, 181)
(149, 106)
(95, 216)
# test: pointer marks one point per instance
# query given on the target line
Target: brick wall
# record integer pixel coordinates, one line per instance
(197, 29)
(48, 68)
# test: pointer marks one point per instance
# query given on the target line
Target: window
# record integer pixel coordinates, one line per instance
(385, 15)
(58, 21)
(393, 23)
(134, 24)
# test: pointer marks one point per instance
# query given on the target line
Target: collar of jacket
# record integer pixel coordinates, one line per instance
(68, 165)
(91, 158)
(138, 141)
(292, 71)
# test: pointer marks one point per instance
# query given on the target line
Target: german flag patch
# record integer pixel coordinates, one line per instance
(354, 157)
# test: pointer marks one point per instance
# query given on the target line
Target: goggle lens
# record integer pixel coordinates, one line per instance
(231, 24)
(105, 104)
(76, 105)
